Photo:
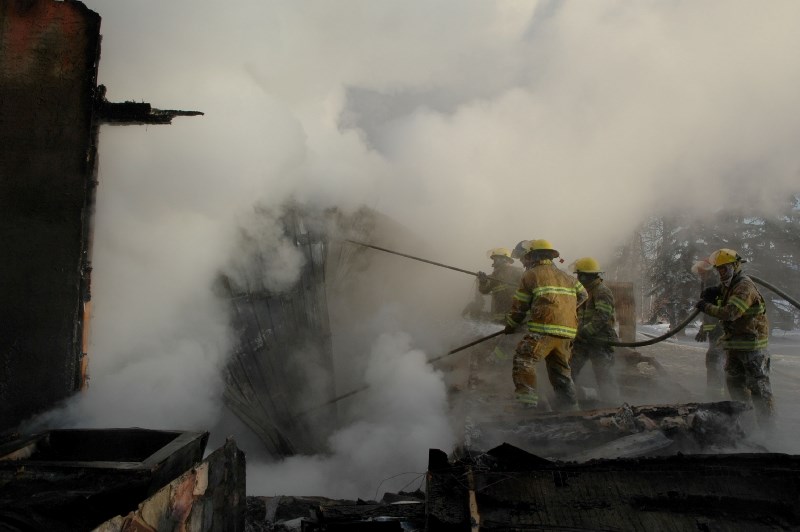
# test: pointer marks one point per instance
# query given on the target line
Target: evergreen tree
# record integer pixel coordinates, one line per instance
(659, 257)
(674, 287)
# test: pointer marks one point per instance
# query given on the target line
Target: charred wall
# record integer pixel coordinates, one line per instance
(48, 66)
(280, 379)
(282, 341)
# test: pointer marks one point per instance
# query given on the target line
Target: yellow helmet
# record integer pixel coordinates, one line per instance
(540, 244)
(724, 256)
(499, 252)
(587, 265)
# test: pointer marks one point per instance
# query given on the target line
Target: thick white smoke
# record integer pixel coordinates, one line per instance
(473, 124)
(398, 418)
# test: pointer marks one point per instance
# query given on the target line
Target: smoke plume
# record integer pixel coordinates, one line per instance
(472, 124)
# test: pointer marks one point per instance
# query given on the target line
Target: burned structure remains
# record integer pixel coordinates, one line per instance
(50, 113)
(265, 382)
(672, 465)
(48, 136)
(280, 379)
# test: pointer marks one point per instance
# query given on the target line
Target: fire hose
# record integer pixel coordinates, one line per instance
(768, 286)
(451, 352)
(651, 341)
(694, 314)
(475, 274)
(430, 361)
(690, 318)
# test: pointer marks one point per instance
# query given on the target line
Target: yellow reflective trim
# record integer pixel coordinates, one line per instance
(561, 290)
(745, 345)
(556, 330)
(530, 398)
(739, 303)
(755, 309)
(523, 296)
(604, 306)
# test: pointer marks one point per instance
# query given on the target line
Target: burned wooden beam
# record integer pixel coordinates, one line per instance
(266, 387)
(700, 492)
(395, 512)
(74, 479)
(133, 113)
(194, 500)
(692, 427)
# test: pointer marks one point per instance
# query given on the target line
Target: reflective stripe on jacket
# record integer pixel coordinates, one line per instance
(596, 318)
(552, 296)
(743, 315)
(501, 292)
(711, 325)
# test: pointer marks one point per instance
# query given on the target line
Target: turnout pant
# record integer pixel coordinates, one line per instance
(556, 353)
(715, 372)
(602, 359)
(747, 375)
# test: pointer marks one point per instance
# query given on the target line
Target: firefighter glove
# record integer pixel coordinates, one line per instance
(701, 336)
(510, 329)
(701, 305)
(482, 277)
(710, 294)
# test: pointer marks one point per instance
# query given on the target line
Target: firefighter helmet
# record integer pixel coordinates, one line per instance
(542, 245)
(724, 256)
(521, 249)
(587, 265)
(499, 252)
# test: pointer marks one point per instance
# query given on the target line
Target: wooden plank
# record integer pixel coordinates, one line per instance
(632, 446)
(723, 492)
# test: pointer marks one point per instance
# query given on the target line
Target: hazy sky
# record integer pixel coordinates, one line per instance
(472, 123)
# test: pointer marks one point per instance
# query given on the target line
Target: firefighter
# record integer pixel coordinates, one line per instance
(474, 309)
(501, 286)
(552, 297)
(595, 324)
(520, 253)
(711, 330)
(504, 279)
(744, 321)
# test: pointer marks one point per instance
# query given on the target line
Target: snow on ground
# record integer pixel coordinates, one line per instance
(684, 359)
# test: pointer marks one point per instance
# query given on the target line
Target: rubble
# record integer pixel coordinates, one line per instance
(624, 466)
(688, 428)
(401, 511)
(487, 414)
(209, 496)
(514, 490)
(76, 479)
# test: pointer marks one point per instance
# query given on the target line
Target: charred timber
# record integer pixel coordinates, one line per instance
(134, 113)
(395, 512)
(662, 429)
(75, 479)
(515, 490)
